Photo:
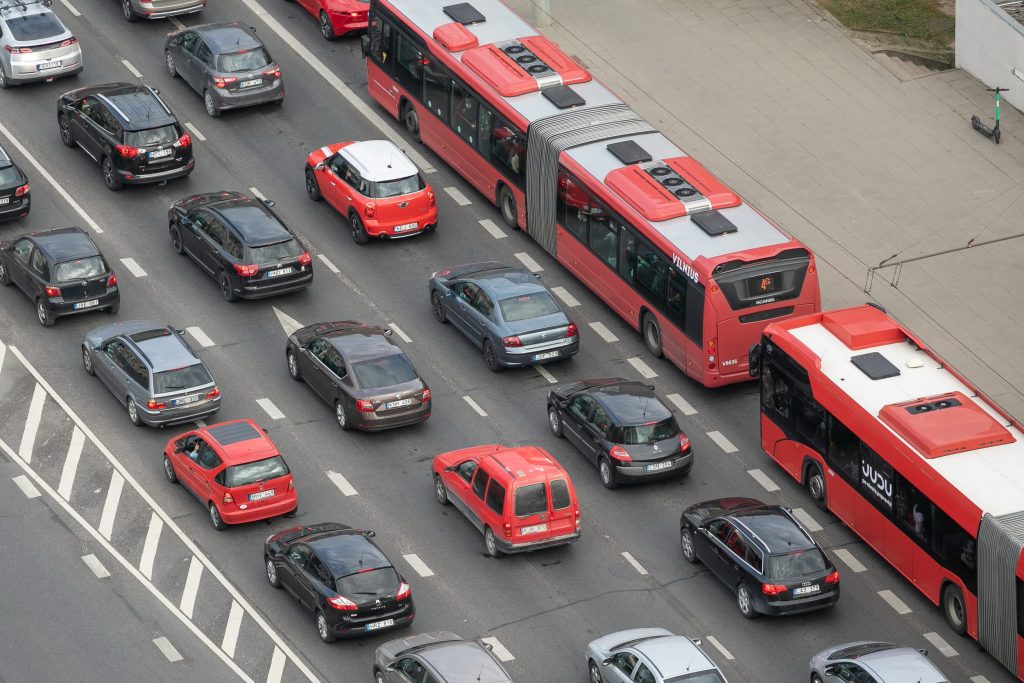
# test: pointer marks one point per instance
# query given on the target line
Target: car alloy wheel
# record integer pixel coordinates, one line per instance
(126, 9)
(293, 366)
(326, 30)
(378, 677)
(490, 358)
(44, 316)
(554, 421)
(595, 673)
(686, 545)
(490, 542)
(133, 412)
(172, 70)
(323, 629)
(87, 361)
(169, 470)
(358, 231)
(341, 415)
(312, 186)
(211, 106)
(607, 473)
(225, 288)
(438, 306)
(440, 491)
(652, 335)
(412, 121)
(815, 678)
(66, 136)
(176, 240)
(745, 601)
(5, 278)
(3, 77)
(110, 177)
(272, 573)
(216, 519)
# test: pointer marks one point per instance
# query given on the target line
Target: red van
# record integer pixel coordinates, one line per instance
(521, 499)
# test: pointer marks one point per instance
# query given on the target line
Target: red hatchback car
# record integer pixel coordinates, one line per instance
(521, 499)
(375, 186)
(234, 469)
(338, 17)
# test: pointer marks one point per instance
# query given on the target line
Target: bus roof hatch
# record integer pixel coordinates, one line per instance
(944, 425)
(664, 189)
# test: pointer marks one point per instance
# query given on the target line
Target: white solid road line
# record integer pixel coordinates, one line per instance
(636, 565)
(195, 131)
(156, 525)
(256, 193)
(603, 332)
(353, 99)
(26, 486)
(401, 335)
(894, 602)
(457, 195)
(276, 666)
(342, 483)
(169, 650)
(940, 644)
(188, 594)
(71, 8)
(200, 337)
(720, 647)
(35, 414)
(106, 527)
(490, 227)
(289, 323)
(722, 442)
(545, 374)
(806, 519)
(684, 406)
(763, 479)
(327, 262)
(133, 267)
(177, 23)
(128, 65)
(528, 261)
(419, 565)
(499, 650)
(231, 629)
(565, 296)
(852, 562)
(473, 404)
(643, 368)
(269, 407)
(93, 563)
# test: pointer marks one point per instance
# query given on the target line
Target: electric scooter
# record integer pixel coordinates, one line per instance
(993, 132)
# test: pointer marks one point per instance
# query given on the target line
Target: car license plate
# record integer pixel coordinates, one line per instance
(398, 404)
(251, 84)
(161, 153)
(279, 272)
(406, 227)
(805, 590)
(380, 624)
(185, 400)
(658, 466)
(545, 355)
(46, 66)
(86, 304)
(260, 495)
(5, 200)
(534, 529)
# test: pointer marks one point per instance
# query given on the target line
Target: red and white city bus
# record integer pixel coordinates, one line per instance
(906, 452)
(663, 242)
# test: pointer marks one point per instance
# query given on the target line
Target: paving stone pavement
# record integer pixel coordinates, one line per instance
(814, 132)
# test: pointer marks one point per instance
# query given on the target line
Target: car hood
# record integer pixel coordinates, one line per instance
(605, 644)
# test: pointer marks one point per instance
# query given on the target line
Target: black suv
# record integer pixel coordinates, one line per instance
(241, 242)
(62, 271)
(128, 130)
(762, 553)
(15, 199)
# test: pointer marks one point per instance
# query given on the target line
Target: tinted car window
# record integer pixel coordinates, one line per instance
(35, 27)
(9, 175)
(496, 497)
(480, 483)
(374, 582)
(252, 472)
(151, 137)
(396, 188)
(796, 564)
(527, 306)
(384, 372)
(531, 500)
(244, 60)
(281, 251)
(79, 269)
(651, 432)
(559, 494)
(183, 378)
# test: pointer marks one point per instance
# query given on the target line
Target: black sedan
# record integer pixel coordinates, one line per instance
(15, 198)
(241, 243)
(762, 552)
(361, 373)
(62, 271)
(340, 575)
(621, 427)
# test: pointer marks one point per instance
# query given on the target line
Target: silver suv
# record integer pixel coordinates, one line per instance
(133, 10)
(152, 371)
(34, 44)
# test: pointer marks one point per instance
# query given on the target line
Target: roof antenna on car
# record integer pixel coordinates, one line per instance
(479, 675)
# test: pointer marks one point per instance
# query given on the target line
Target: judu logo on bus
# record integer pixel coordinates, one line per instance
(876, 481)
(687, 269)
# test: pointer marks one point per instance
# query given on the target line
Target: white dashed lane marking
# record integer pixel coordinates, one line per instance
(565, 296)
(894, 602)
(490, 227)
(327, 262)
(200, 337)
(342, 483)
(26, 486)
(289, 323)
(545, 374)
(133, 267)
(188, 594)
(499, 650)
(256, 193)
(276, 666)
(684, 406)
(35, 414)
(636, 565)
(419, 565)
(177, 22)
(156, 525)
(71, 8)
(93, 563)
(528, 261)
(401, 335)
(806, 519)
(643, 368)
(457, 195)
(201, 424)
(106, 527)
(979, 679)
(850, 561)
(231, 629)
(720, 647)
(195, 131)
(128, 65)
(603, 332)
(763, 479)
(940, 644)
(169, 650)
(722, 442)
(473, 404)
(270, 409)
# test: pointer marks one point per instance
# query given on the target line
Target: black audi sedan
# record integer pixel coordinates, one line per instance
(240, 242)
(340, 575)
(361, 373)
(762, 553)
(622, 428)
(62, 271)
(15, 195)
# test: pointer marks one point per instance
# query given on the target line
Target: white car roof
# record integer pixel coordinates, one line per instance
(379, 160)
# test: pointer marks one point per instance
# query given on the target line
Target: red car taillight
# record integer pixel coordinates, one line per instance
(213, 393)
(70, 41)
(184, 141)
(21, 190)
(431, 197)
(53, 291)
(511, 342)
(342, 603)
(620, 454)
(364, 406)
(370, 210)
(425, 396)
(291, 484)
(684, 442)
(228, 498)
(305, 259)
(577, 519)
(273, 73)
(246, 270)
(772, 589)
(833, 577)
(127, 151)
(155, 405)
(223, 82)
(508, 530)
(18, 50)
(571, 331)
(404, 591)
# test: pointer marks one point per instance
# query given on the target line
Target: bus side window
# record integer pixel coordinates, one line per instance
(627, 254)
(694, 313)
(484, 138)
(410, 70)
(464, 113)
(573, 206)
(843, 451)
(508, 147)
(437, 90)
(604, 235)
(380, 42)
(677, 296)
(652, 274)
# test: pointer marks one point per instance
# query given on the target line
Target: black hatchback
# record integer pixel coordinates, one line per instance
(622, 428)
(62, 271)
(241, 243)
(762, 553)
(15, 198)
(128, 130)
(339, 574)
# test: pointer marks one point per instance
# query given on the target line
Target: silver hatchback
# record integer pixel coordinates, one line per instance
(872, 661)
(133, 10)
(34, 44)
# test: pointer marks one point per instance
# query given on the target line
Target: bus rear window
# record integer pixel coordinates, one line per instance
(531, 500)
(764, 282)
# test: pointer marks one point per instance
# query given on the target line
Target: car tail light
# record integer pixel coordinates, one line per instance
(70, 41)
(511, 342)
(833, 577)
(21, 190)
(127, 151)
(305, 259)
(184, 141)
(291, 484)
(431, 197)
(571, 331)
(684, 442)
(112, 281)
(772, 589)
(442, 273)
(364, 406)
(404, 591)
(228, 498)
(246, 270)
(577, 519)
(425, 396)
(223, 82)
(620, 454)
(370, 210)
(155, 405)
(342, 603)
(273, 73)
(508, 530)
(213, 393)
(18, 50)
(53, 291)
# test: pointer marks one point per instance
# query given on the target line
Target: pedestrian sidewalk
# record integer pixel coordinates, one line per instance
(810, 129)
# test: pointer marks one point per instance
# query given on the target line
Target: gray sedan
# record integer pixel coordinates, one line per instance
(873, 662)
(649, 655)
(506, 312)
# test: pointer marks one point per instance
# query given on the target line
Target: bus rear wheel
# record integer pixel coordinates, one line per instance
(953, 608)
(651, 332)
(814, 480)
(411, 120)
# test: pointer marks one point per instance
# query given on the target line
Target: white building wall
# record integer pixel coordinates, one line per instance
(990, 46)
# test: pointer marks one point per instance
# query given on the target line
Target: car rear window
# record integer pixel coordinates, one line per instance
(279, 251)
(183, 378)
(559, 494)
(384, 372)
(796, 564)
(528, 306)
(369, 582)
(531, 499)
(79, 269)
(9, 175)
(252, 472)
(35, 27)
(650, 432)
(396, 188)
(151, 137)
(244, 60)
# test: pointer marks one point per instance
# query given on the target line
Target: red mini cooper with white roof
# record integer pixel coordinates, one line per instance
(375, 185)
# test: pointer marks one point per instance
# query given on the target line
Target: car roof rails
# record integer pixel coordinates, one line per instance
(24, 4)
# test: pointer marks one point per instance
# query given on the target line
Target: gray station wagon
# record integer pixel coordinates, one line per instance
(440, 657)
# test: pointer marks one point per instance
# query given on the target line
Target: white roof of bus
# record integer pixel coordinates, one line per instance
(993, 478)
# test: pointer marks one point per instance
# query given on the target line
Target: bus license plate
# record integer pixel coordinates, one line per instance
(46, 66)
(161, 153)
(658, 466)
(377, 625)
(545, 355)
(534, 529)
(398, 404)
(279, 272)
(805, 590)
(250, 84)
(185, 400)
(86, 304)
(406, 227)
(261, 494)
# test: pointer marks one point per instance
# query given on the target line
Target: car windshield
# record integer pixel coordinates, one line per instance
(531, 500)
(244, 60)
(698, 677)
(183, 378)
(279, 251)
(396, 188)
(384, 372)
(35, 27)
(369, 582)
(252, 472)
(151, 137)
(796, 564)
(650, 432)
(79, 269)
(9, 175)
(528, 306)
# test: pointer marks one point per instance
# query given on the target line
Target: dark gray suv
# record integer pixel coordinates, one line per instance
(440, 656)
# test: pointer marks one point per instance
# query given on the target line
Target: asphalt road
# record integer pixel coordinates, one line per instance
(543, 608)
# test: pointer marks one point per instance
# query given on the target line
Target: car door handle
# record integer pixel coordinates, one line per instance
(348, 198)
(334, 184)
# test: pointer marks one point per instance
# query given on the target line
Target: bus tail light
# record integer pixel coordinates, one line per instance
(403, 591)
(370, 210)
(155, 405)
(508, 530)
(342, 603)
(571, 331)
(246, 270)
(620, 454)
(833, 578)
(511, 342)
(712, 347)
(228, 498)
(772, 589)
(364, 406)
(53, 291)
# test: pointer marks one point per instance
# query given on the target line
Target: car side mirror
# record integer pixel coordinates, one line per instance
(923, 651)
(264, 430)
(831, 670)
(450, 468)
(179, 330)
(697, 641)
(536, 276)
(487, 645)
(391, 667)
(606, 661)
(754, 360)
(369, 533)
(364, 44)
(5, 246)
(388, 333)
(269, 203)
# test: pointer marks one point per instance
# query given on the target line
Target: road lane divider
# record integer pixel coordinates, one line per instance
(195, 131)
(341, 482)
(475, 406)
(493, 229)
(71, 8)
(35, 415)
(270, 409)
(26, 486)
(806, 519)
(567, 298)
(723, 443)
(763, 479)
(684, 406)
(327, 262)
(97, 568)
(499, 650)
(191, 589)
(113, 499)
(131, 68)
(940, 644)
(200, 337)
(419, 565)
(401, 335)
(894, 602)
(288, 323)
(156, 525)
(231, 629)
(529, 262)
(636, 565)
(167, 649)
(850, 561)
(133, 267)
(721, 648)
(603, 332)
(457, 195)
(545, 374)
(643, 368)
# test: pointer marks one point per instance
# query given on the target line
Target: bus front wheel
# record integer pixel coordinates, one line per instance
(815, 483)
(651, 332)
(953, 608)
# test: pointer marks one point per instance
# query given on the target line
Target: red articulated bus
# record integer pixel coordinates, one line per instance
(664, 243)
(907, 453)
